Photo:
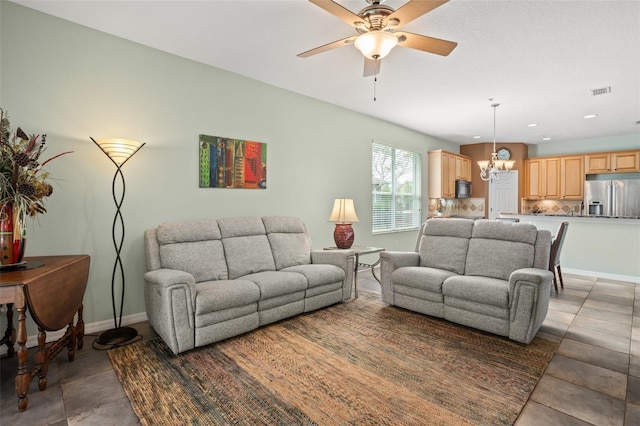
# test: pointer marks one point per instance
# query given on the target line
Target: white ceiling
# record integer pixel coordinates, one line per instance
(538, 59)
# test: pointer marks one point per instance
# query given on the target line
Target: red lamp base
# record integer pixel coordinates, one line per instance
(343, 235)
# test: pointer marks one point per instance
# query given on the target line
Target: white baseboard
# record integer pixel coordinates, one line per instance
(614, 277)
(92, 328)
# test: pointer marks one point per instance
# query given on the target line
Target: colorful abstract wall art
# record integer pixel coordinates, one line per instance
(232, 163)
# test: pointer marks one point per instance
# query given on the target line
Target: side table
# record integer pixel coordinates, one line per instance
(361, 250)
(53, 290)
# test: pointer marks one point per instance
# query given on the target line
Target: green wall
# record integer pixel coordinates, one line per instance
(609, 143)
(72, 82)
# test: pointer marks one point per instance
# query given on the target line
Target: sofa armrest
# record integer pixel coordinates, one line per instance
(389, 262)
(168, 277)
(170, 301)
(529, 292)
(344, 259)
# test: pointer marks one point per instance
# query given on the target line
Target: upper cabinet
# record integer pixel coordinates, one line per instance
(542, 178)
(554, 178)
(612, 162)
(571, 177)
(444, 169)
(463, 167)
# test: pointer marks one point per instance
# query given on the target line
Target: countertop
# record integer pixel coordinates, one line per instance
(597, 219)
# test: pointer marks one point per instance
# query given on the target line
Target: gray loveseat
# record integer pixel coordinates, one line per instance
(487, 274)
(214, 279)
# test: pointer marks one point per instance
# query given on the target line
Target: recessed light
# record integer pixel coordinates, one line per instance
(546, 138)
(533, 125)
(591, 116)
(477, 137)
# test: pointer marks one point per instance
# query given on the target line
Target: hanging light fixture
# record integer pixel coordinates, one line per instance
(492, 169)
(376, 44)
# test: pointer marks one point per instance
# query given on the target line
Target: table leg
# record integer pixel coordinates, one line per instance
(80, 327)
(42, 359)
(10, 334)
(23, 378)
(71, 343)
(355, 276)
(373, 271)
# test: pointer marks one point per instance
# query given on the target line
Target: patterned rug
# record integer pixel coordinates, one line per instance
(353, 363)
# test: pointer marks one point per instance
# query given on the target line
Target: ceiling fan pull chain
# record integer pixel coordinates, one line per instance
(375, 80)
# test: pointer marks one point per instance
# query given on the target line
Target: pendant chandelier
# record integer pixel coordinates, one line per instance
(492, 169)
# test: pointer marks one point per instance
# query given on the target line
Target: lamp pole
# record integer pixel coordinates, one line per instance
(119, 152)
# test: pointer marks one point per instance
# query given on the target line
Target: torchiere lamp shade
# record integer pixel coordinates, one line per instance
(343, 214)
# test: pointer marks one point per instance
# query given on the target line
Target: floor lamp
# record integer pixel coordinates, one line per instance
(119, 152)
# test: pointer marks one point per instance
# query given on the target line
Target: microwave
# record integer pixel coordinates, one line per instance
(463, 188)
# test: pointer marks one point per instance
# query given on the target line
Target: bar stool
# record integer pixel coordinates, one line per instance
(554, 257)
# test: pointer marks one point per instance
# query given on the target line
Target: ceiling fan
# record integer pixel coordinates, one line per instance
(377, 26)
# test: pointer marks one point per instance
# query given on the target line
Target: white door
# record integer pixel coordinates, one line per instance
(503, 194)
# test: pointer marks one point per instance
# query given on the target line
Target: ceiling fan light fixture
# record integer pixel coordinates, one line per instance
(376, 45)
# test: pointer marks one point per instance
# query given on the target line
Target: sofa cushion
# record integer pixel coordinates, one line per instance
(214, 296)
(193, 247)
(289, 241)
(319, 274)
(203, 259)
(444, 244)
(241, 226)
(499, 248)
(182, 232)
(483, 290)
(420, 277)
(506, 231)
(247, 255)
(277, 283)
(246, 246)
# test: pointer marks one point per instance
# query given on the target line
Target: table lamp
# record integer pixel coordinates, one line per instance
(343, 214)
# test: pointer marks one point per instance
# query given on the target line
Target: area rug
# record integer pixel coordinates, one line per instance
(353, 363)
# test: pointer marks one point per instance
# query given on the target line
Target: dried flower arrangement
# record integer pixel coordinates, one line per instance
(23, 181)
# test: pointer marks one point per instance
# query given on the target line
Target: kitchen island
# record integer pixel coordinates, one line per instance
(603, 247)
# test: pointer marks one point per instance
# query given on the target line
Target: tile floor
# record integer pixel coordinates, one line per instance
(594, 378)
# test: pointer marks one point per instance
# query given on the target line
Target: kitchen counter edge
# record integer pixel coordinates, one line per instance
(564, 218)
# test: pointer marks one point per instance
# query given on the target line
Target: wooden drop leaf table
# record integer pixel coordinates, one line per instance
(52, 288)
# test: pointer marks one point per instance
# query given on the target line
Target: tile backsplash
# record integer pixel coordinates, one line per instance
(551, 206)
(463, 207)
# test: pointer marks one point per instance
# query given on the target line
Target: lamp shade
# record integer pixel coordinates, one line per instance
(343, 211)
(119, 150)
(376, 44)
(483, 164)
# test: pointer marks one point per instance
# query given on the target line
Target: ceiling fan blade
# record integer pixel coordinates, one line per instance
(371, 67)
(337, 10)
(328, 46)
(425, 43)
(414, 9)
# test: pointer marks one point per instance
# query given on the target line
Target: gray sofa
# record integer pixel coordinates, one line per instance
(487, 274)
(210, 280)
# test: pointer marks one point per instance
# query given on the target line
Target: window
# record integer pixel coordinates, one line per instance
(395, 179)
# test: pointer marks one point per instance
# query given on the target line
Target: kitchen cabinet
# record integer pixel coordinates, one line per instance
(463, 168)
(612, 162)
(572, 177)
(542, 178)
(444, 168)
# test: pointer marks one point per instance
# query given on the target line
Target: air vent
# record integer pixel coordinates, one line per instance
(601, 91)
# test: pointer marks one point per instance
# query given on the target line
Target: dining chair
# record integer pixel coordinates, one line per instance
(554, 257)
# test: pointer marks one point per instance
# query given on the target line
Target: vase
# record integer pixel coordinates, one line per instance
(343, 235)
(12, 235)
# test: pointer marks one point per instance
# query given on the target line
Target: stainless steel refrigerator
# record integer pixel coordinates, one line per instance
(613, 198)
